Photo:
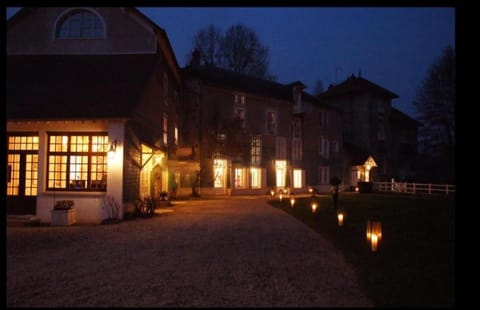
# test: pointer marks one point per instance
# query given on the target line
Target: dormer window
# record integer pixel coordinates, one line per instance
(80, 24)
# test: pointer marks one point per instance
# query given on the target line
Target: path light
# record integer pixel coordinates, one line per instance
(310, 190)
(340, 217)
(292, 200)
(314, 203)
(272, 193)
(356, 189)
(374, 233)
(280, 196)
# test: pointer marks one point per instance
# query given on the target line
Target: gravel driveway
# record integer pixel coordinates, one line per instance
(235, 252)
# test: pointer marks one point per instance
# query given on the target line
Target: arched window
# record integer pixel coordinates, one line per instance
(79, 24)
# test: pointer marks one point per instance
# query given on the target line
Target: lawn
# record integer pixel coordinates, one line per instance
(414, 265)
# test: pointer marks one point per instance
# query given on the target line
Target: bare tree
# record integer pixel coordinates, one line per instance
(208, 41)
(239, 50)
(435, 105)
(435, 101)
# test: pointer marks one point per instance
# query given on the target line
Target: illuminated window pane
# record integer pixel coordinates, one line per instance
(297, 178)
(280, 172)
(219, 169)
(82, 166)
(239, 177)
(256, 177)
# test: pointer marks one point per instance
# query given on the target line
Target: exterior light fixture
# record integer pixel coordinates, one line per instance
(374, 233)
(272, 193)
(113, 149)
(292, 200)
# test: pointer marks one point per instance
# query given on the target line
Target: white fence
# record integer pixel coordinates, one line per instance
(414, 188)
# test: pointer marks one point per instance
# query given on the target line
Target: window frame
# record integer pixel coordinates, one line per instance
(67, 17)
(67, 158)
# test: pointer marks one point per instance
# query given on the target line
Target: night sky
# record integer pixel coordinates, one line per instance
(392, 47)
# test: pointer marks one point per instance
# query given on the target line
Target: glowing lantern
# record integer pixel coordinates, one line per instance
(292, 201)
(272, 193)
(310, 190)
(340, 217)
(280, 196)
(314, 207)
(374, 233)
(356, 189)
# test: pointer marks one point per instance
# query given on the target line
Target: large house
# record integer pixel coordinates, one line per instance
(252, 135)
(98, 109)
(380, 142)
(92, 96)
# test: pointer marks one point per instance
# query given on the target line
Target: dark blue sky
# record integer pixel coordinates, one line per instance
(392, 47)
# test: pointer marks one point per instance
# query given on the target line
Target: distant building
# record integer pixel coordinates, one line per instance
(254, 135)
(81, 82)
(380, 142)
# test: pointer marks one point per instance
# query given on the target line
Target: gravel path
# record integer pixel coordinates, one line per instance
(237, 252)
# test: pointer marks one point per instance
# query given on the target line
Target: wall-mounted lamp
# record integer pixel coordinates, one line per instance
(113, 148)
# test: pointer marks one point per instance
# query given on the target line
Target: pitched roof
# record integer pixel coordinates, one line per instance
(241, 82)
(355, 85)
(400, 117)
(75, 86)
(357, 155)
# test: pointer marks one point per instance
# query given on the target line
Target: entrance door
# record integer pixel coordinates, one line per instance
(22, 174)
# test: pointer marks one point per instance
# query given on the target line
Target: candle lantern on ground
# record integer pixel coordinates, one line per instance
(314, 203)
(292, 200)
(340, 217)
(374, 233)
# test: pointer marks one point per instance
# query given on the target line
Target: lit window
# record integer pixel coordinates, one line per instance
(77, 162)
(297, 178)
(165, 129)
(219, 167)
(239, 177)
(176, 135)
(79, 24)
(256, 177)
(280, 172)
(22, 166)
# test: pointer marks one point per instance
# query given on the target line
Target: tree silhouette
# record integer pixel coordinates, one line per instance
(238, 50)
(435, 106)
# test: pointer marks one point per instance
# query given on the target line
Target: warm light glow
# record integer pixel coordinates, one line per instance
(314, 207)
(280, 172)
(375, 240)
(158, 158)
(272, 192)
(310, 190)
(374, 233)
(356, 189)
(280, 197)
(340, 219)
(297, 178)
(292, 202)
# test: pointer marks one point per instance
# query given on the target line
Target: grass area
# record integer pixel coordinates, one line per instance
(415, 262)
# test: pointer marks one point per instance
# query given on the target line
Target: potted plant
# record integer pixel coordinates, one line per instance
(63, 213)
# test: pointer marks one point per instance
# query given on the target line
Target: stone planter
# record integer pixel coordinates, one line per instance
(63, 217)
